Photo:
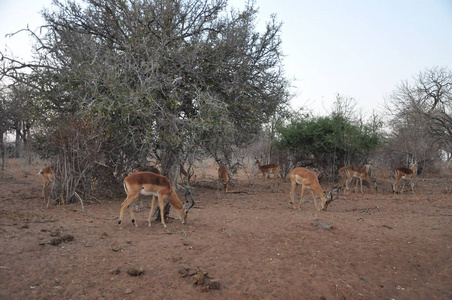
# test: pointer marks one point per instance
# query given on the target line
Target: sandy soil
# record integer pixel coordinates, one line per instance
(244, 245)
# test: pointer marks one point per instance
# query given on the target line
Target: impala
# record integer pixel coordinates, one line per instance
(265, 169)
(48, 176)
(309, 180)
(405, 174)
(349, 173)
(182, 173)
(186, 175)
(223, 177)
(152, 169)
(148, 183)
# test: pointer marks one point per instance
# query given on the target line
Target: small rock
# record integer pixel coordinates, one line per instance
(198, 278)
(183, 271)
(25, 226)
(135, 271)
(214, 285)
(322, 225)
(205, 289)
(115, 271)
(128, 291)
(55, 241)
(67, 238)
(116, 248)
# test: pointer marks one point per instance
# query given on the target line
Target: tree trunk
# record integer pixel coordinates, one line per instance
(170, 168)
(2, 152)
(166, 212)
(17, 144)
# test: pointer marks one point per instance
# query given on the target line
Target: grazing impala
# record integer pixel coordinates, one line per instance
(48, 176)
(405, 174)
(265, 169)
(223, 177)
(309, 180)
(148, 183)
(349, 173)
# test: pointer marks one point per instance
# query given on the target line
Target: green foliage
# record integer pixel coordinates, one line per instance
(327, 142)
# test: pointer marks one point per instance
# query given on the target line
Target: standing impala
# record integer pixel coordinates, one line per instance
(405, 174)
(265, 169)
(148, 183)
(349, 173)
(309, 180)
(223, 177)
(48, 176)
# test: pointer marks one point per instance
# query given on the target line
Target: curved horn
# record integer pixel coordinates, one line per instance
(332, 198)
(188, 194)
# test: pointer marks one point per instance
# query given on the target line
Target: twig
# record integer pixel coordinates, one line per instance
(349, 286)
(81, 201)
(181, 231)
(41, 221)
(238, 192)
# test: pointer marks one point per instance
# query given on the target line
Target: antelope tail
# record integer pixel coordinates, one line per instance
(125, 188)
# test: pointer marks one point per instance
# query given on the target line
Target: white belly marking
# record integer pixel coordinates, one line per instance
(143, 192)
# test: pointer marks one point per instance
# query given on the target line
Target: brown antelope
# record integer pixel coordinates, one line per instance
(309, 180)
(182, 173)
(405, 174)
(265, 169)
(148, 183)
(349, 173)
(223, 177)
(186, 175)
(152, 169)
(48, 177)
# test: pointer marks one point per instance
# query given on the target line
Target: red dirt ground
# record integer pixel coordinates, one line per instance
(380, 246)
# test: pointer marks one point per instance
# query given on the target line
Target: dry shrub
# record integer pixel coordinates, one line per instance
(80, 160)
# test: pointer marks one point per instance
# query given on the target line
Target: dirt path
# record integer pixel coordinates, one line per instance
(251, 246)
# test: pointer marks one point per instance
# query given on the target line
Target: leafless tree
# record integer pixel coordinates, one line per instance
(422, 115)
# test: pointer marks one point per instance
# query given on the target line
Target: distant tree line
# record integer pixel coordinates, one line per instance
(418, 130)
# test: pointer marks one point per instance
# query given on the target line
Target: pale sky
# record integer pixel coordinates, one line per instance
(360, 49)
